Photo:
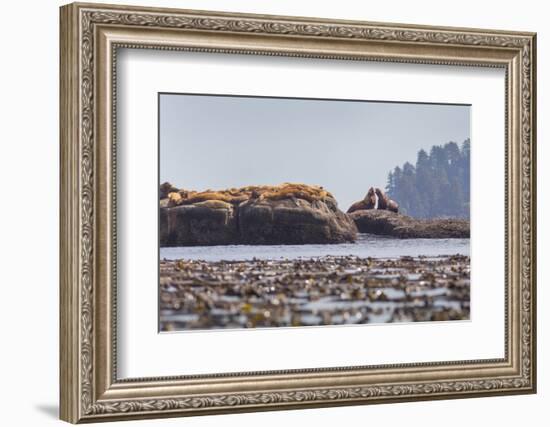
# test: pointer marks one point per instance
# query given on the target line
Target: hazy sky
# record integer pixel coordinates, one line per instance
(218, 142)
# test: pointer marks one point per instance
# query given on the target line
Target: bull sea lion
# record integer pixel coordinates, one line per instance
(385, 203)
(369, 202)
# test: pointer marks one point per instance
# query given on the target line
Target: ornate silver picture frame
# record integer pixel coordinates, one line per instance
(91, 36)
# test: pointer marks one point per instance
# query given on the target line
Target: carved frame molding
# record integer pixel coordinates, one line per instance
(90, 390)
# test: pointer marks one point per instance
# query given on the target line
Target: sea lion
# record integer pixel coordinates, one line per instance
(369, 202)
(165, 189)
(174, 198)
(385, 203)
(370, 199)
(393, 206)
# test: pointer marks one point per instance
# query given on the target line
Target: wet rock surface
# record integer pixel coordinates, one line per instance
(307, 292)
(387, 223)
(270, 215)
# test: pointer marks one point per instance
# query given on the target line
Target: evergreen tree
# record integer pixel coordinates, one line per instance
(425, 185)
(437, 186)
(395, 183)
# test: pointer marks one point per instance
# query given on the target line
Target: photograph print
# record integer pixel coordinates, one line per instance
(298, 212)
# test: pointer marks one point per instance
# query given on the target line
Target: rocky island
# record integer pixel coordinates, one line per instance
(378, 214)
(287, 214)
(261, 215)
(392, 224)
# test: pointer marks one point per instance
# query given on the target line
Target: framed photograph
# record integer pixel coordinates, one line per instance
(267, 212)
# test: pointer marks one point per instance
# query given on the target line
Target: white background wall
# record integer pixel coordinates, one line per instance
(29, 171)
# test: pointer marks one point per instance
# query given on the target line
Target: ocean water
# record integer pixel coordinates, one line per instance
(367, 245)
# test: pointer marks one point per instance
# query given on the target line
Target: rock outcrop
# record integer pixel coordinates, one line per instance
(388, 223)
(276, 215)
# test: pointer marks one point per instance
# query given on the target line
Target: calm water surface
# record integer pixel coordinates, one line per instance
(367, 245)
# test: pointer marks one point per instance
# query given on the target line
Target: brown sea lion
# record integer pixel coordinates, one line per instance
(174, 198)
(369, 202)
(393, 206)
(165, 189)
(382, 200)
(370, 199)
(385, 203)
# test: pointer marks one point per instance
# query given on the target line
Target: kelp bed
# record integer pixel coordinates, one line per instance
(311, 292)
